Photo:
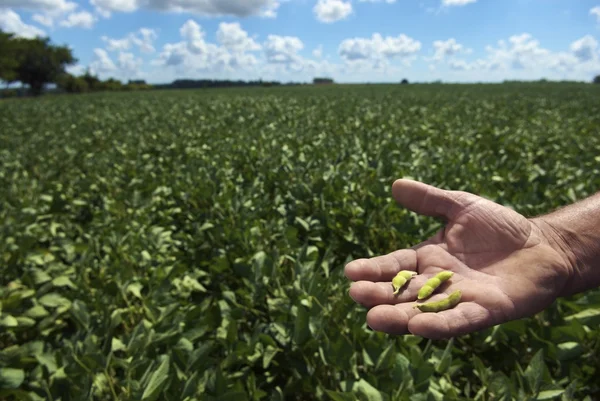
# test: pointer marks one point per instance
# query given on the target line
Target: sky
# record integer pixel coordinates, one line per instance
(297, 40)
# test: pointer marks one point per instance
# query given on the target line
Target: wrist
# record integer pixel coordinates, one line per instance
(577, 249)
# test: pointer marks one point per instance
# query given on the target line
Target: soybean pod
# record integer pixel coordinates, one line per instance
(433, 283)
(450, 302)
(402, 278)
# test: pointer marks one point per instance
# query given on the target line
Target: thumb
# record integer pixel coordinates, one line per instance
(428, 200)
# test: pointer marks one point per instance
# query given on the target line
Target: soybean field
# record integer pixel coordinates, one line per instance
(190, 245)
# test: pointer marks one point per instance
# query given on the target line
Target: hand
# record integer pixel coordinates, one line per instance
(504, 264)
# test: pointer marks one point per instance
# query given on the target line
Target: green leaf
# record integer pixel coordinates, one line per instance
(37, 312)
(549, 394)
(135, 289)
(368, 390)
(157, 380)
(117, 345)
(569, 350)
(206, 226)
(8, 321)
(63, 281)
(11, 378)
(48, 360)
(25, 321)
(535, 371)
(268, 356)
(446, 359)
(40, 276)
(339, 396)
(588, 317)
(303, 223)
(301, 328)
(54, 300)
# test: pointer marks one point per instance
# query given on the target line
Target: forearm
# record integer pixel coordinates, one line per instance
(575, 231)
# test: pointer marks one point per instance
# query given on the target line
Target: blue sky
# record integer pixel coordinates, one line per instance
(295, 40)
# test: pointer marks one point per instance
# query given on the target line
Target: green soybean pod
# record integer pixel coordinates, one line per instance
(433, 283)
(402, 278)
(448, 303)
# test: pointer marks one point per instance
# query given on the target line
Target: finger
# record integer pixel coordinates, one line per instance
(381, 268)
(427, 199)
(466, 317)
(391, 319)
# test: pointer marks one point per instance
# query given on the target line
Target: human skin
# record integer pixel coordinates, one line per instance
(507, 266)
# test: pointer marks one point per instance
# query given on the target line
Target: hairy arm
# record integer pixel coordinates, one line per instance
(574, 231)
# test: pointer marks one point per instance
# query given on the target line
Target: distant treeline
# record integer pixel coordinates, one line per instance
(214, 83)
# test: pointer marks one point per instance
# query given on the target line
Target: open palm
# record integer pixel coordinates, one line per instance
(503, 263)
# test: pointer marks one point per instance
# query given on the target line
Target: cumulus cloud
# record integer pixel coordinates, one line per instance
(523, 54)
(318, 52)
(283, 50)
(329, 11)
(378, 1)
(102, 63)
(596, 11)
(105, 7)
(81, 19)
(451, 3)
(235, 39)
(143, 39)
(129, 65)
(237, 8)
(447, 48)
(377, 50)
(43, 19)
(61, 6)
(46, 11)
(11, 22)
(126, 66)
(194, 53)
(585, 48)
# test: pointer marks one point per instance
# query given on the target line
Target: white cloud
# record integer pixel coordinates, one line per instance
(318, 52)
(129, 64)
(235, 39)
(61, 6)
(585, 48)
(460, 65)
(238, 8)
(284, 50)
(43, 19)
(377, 50)
(329, 11)
(126, 66)
(596, 11)
(105, 7)
(102, 63)
(143, 39)
(81, 19)
(447, 48)
(76, 69)
(378, 1)
(450, 3)
(195, 54)
(117, 44)
(11, 22)
(522, 56)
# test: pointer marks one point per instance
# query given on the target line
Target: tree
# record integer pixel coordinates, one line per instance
(8, 60)
(597, 79)
(322, 81)
(72, 84)
(40, 62)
